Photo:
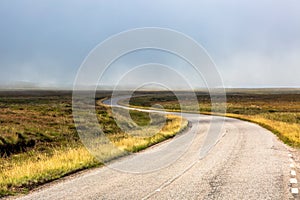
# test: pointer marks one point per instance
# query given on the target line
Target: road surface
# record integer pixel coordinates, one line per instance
(247, 162)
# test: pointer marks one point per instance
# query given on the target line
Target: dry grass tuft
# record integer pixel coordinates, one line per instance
(21, 175)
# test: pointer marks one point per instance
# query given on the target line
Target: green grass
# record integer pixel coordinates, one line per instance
(39, 141)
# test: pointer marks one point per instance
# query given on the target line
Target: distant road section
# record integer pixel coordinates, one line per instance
(248, 162)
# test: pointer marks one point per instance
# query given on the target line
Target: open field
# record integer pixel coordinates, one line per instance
(39, 142)
(275, 109)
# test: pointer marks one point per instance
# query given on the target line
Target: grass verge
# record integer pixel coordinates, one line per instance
(19, 175)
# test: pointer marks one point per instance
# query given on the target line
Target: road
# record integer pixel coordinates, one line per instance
(246, 162)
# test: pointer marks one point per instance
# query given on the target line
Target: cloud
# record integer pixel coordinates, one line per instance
(254, 69)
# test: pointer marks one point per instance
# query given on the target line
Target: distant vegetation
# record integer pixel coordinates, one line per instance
(276, 110)
(39, 142)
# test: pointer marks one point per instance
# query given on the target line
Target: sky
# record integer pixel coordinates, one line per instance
(253, 43)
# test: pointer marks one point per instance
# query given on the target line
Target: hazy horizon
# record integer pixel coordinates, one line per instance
(37, 86)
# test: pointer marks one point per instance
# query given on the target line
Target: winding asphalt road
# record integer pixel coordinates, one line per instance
(246, 162)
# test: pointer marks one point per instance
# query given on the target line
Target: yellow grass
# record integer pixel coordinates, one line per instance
(288, 132)
(42, 168)
(169, 130)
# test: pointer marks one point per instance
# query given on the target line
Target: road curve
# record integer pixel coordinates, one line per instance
(247, 162)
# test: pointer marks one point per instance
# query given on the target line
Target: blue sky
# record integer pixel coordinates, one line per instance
(253, 43)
